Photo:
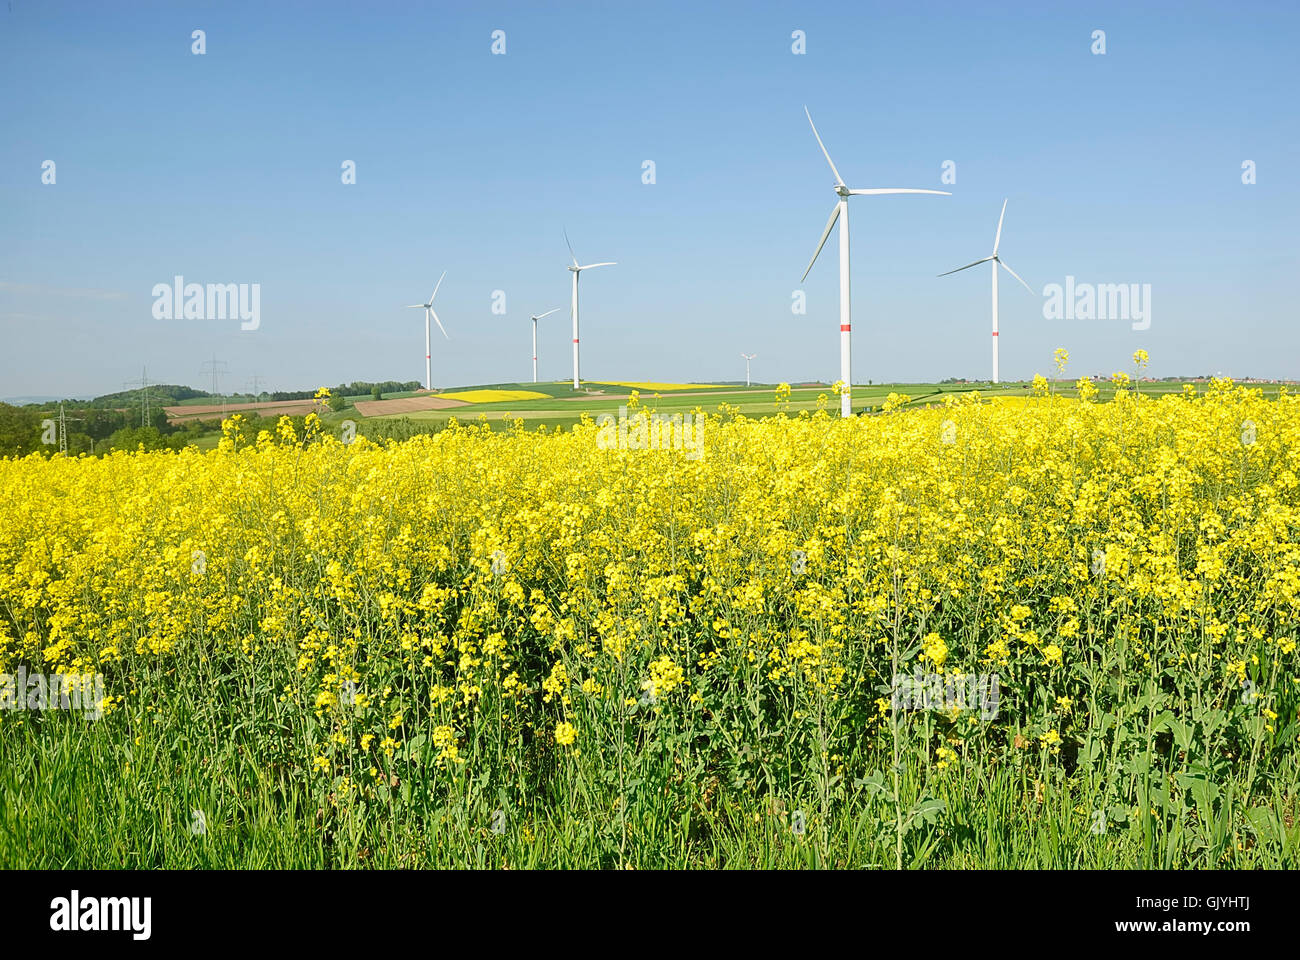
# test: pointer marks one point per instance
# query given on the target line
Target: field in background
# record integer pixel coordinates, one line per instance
(399, 414)
(206, 410)
(563, 409)
(556, 405)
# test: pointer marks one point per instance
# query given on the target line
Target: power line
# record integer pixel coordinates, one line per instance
(217, 368)
(145, 418)
(63, 429)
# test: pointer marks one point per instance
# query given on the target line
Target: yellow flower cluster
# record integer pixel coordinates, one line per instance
(471, 587)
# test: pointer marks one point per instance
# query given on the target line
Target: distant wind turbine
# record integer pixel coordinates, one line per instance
(429, 312)
(748, 357)
(535, 319)
(995, 260)
(841, 213)
(576, 269)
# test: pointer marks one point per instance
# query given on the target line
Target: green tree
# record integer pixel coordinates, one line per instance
(151, 438)
(20, 431)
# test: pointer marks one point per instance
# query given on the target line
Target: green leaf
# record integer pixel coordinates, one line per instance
(1265, 823)
(873, 784)
(1203, 790)
(925, 811)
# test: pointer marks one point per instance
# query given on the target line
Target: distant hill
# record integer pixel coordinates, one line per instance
(157, 392)
(24, 401)
(164, 394)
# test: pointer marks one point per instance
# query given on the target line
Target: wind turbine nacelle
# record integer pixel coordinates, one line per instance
(572, 269)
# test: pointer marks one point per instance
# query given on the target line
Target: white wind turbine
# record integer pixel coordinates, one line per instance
(535, 319)
(429, 312)
(576, 269)
(995, 260)
(841, 213)
(748, 357)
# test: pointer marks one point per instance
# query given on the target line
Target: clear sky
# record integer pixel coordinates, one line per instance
(226, 168)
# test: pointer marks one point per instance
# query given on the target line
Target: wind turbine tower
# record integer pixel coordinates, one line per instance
(576, 269)
(535, 319)
(429, 312)
(841, 213)
(995, 261)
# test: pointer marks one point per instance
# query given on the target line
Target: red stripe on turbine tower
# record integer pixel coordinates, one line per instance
(845, 327)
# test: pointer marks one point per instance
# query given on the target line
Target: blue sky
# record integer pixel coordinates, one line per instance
(225, 168)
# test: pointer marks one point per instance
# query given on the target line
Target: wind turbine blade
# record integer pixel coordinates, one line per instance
(548, 313)
(838, 179)
(572, 255)
(998, 236)
(610, 263)
(420, 305)
(967, 267)
(882, 191)
(438, 322)
(439, 284)
(835, 215)
(1017, 276)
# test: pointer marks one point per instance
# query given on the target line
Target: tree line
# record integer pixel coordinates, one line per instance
(357, 388)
